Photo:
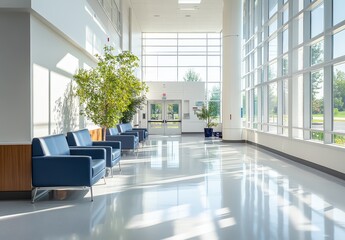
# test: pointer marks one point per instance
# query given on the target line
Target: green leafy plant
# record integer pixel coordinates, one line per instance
(135, 105)
(106, 91)
(208, 116)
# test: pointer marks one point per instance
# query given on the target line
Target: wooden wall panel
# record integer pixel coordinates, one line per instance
(15, 168)
(15, 165)
(96, 134)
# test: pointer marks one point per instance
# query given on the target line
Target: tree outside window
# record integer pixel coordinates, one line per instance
(191, 76)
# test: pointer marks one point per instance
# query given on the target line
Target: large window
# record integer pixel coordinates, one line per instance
(272, 49)
(339, 104)
(316, 51)
(273, 107)
(317, 21)
(338, 11)
(338, 44)
(273, 7)
(317, 103)
(285, 102)
(296, 86)
(297, 107)
(181, 57)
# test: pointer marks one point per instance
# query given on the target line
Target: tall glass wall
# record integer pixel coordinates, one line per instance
(180, 57)
(293, 80)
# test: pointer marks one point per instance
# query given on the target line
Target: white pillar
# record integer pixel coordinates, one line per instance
(231, 92)
(15, 77)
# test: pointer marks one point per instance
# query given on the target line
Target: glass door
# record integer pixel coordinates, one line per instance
(164, 117)
(155, 117)
(172, 118)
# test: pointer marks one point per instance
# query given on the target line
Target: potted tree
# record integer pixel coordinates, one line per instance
(136, 104)
(105, 91)
(208, 116)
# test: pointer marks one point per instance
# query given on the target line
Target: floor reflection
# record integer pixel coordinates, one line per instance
(187, 187)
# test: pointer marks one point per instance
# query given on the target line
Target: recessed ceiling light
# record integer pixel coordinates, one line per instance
(189, 1)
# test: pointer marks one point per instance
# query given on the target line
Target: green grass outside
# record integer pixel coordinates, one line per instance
(339, 140)
(340, 114)
(340, 117)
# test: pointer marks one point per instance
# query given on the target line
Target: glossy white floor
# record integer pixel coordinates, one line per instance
(190, 188)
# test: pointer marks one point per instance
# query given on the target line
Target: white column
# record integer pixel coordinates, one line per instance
(231, 92)
(15, 86)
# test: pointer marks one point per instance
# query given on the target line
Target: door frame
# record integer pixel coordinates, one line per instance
(164, 122)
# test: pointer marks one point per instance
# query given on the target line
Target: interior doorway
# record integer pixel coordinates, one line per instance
(164, 117)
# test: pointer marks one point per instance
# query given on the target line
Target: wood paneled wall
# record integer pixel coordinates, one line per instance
(15, 167)
(96, 134)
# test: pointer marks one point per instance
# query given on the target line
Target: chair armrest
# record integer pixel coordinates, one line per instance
(113, 144)
(120, 138)
(94, 153)
(145, 129)
(108, 150)
(61, 170)
(140, 132)
(136, 134)
(127, 141)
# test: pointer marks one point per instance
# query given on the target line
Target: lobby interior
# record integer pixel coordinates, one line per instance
(275, 70)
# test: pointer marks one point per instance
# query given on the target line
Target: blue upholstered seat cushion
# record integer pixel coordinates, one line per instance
(97, 166)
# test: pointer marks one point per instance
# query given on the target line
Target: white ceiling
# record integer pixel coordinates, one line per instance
(165, 16)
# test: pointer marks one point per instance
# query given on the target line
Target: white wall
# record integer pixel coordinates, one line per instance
(136, 36)
(82, 21)
(64, 37)
(125, 8)
(54, 61)
(15, 89)
(184, 91)
(135, 41)
(325, 155)
(41, 50)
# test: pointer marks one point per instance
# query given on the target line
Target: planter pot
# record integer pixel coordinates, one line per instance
(208, 132)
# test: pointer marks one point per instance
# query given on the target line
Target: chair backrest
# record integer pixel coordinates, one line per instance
(79, 138)
(112, 131)
(123, 127)
(50, 145)
(120, 128)
(128, 126)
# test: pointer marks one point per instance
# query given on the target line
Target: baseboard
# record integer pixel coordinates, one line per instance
(318, 167)
(22, 195)
(234, 141)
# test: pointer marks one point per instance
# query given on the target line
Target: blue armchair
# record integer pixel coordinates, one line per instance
(129, 141)
(127, 127)
(82, 139)
(56, 166)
